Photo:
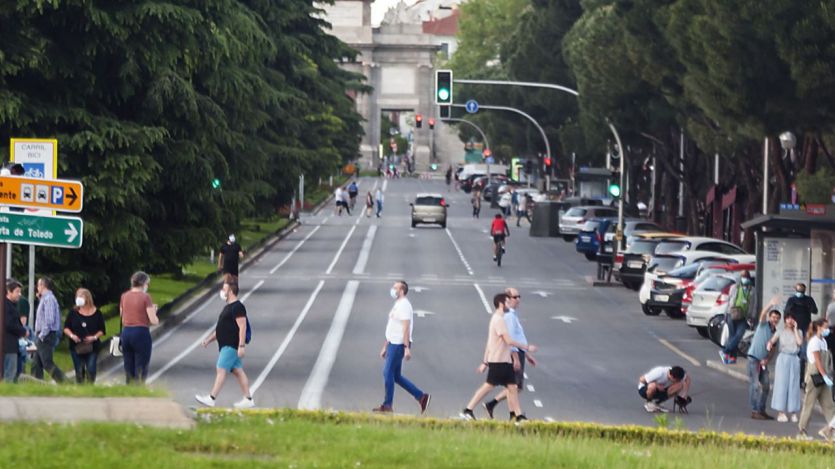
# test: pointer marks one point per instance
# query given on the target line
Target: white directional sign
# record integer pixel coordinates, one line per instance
(543, 294)
(565, 319)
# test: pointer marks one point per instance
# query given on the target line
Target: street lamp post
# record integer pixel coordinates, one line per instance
(788, 142)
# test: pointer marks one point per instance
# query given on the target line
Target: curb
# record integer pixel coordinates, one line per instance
(722, 368)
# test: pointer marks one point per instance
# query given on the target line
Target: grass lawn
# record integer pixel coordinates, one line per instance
(297, 439)
(73, 390)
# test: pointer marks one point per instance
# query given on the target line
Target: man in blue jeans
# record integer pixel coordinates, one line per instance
(758, 357)
(397, 347)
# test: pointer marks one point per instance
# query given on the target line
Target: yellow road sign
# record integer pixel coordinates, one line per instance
(55, 194)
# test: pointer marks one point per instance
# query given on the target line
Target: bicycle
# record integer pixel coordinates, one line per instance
(500, 252)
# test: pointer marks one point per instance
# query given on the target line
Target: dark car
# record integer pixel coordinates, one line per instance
(467, 183)
(483, 182)
(635, 260)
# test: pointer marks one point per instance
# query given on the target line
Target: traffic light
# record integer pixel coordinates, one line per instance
(419, 121)
(443, 86)
(614, 186)
(548, 162)
(215, 183)
(445, 112)
(528, 167)
(431, 123)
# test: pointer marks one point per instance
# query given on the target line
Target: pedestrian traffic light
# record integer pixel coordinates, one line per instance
(215, 183)
(445, 112)
(528, 167)
(443, 86)
(419, 121)
(431, 123)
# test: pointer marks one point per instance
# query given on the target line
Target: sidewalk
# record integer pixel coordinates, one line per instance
(155, 412)
(739, 370)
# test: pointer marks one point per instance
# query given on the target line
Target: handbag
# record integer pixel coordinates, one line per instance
(116, 342)
(83, 348)
(817, 380)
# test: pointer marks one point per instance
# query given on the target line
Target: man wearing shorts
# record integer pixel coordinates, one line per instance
(230, 334)
(498, 362)
(660, 383)
(499, 230)
(517, 333)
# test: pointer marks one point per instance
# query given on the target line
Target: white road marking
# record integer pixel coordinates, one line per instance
(362, 260)
(423, 313)
(537, 403)
(286, 342)
(376, 181)
(385, 185)
(196, 343)
(549, 419)
(394, 274)
(311, 397)
(531, 388)
(341, 248)
(542, 294)
(565, 319)
(483, 299)
(458, 250)
(290, 254)
(525, 375)
(678, 351)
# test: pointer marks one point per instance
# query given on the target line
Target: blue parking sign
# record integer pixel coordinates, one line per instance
(57, 195)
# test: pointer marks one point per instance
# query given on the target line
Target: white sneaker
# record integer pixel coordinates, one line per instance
(661, 408)
(245, 403)
(802, 436)
(650, 407)
(782, 418)
(206, 400)
(794, 418)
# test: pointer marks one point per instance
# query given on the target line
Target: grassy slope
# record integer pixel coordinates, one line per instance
(72, 390)
(286, 439)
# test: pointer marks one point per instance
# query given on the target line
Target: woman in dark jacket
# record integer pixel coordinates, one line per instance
(84, 326)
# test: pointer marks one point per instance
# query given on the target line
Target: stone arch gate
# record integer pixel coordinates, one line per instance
(398, 62)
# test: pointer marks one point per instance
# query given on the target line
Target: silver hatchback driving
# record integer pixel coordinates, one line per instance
(429, 209)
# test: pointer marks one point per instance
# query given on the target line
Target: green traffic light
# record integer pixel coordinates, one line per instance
(434, 166)
(215, 183)
(614, 190)
(443, 94)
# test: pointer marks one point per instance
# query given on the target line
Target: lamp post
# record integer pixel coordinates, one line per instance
(789, 142)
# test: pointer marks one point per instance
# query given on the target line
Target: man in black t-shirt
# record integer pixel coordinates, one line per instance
(230, 334)
(230, 254)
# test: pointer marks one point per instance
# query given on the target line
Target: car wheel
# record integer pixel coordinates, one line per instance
(673, 313)
(650, 311)
(414, 223)
(703, 332)
(443, 225)
(568, 238)
(590, 256)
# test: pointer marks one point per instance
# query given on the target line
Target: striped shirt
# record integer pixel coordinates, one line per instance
(48, 316)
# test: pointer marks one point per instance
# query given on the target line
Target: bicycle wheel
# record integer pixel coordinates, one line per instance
(499, 253)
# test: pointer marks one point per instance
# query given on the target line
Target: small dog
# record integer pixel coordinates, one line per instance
(681, 403)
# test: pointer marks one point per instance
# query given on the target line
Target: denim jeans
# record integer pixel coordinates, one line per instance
(43, 358)
(85, 366)
(9, 367)
(736, 329)
(391, 374)
(759, 385)
(136, 349)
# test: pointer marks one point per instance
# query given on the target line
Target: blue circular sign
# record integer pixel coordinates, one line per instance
(471, 106)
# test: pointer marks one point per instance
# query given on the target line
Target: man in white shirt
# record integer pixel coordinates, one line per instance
(337, 196)
(397, 347)
(660, 383)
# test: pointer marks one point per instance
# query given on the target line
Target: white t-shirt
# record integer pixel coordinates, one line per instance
(523, 203)
(816, 344)
(337, 195)
(505, 200)
(659, 375)
(401, 311)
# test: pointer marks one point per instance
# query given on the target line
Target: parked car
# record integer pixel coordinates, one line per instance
(698, 243)
(590, 237)
(483, 182)
(669, 293)
(661, 264)
(467, 183)
(576, 217)
(429, 208)
(631, 264)
(711, 298)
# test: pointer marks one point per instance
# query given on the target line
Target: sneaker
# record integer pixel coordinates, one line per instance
(520, 419)
(382, 409)
(782, 418)
(794, 418)
(467, 414)
(206, 400)
(723, 358)
(245, 403)
(650, 407)
(661, 408)
(494, 258)
(825, 434)
(424, 402)
(804, 437)
(489, 406)
(766, 416)
(731, 360)
(758, 416)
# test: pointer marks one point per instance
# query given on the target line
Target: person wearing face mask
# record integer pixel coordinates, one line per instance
(758, 358)
(230, 334)
(47, 332)
(397, 347)
(84, 327)
(818, 379)
(229, 256)
(802, 307)
(786, 396)
(737, 319)
(138, 313)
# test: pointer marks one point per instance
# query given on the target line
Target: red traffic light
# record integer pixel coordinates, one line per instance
(418, 120)
(486, 152)
(547, 161)
(431, 123)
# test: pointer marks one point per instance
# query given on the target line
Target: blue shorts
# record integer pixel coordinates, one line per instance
(228, 359)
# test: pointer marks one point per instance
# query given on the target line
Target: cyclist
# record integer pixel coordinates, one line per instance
(353, 191)
(499, 230)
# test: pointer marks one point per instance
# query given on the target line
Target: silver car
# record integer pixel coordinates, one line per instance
(429, 209)
(573, 220)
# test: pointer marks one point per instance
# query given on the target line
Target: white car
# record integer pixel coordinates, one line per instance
(709, 299)
(663, 263)
(573, 220)
(698, 243)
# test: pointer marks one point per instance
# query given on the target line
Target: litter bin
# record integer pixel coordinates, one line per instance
(546, 219)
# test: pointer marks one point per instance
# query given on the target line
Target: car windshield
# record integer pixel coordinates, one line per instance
(688, 271)
(435, 201)
(666, 247)
(642, 247)
(716, 283)
(663, 264)
(590, 225)
(576, 212)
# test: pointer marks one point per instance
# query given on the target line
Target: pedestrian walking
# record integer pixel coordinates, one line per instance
(662, 382)
(13, 332)
(519, 357)
(379, 199)
(818, 374)
(786, 396)
(397, 347)
(758, 358)
(84, 327)
(353, 192)
(26, 345)
(346, 201)
(448, 177)
(138, 313)
(498, 362)
(229, 257)
(514, 201)
(522, 209)
(476, 203)
(369, 204)
(337, 197)
(505, 202)
(737, 320)
(47, 332)
(230, 334)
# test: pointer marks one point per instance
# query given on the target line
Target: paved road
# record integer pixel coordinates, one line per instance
(318, 302)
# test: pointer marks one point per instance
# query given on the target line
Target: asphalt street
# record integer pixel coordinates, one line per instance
(318, 302)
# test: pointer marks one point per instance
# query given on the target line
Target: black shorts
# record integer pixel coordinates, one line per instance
(500, 374)
(659, 397)
(498, 238)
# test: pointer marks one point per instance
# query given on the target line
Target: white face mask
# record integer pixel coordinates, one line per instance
(79, 301)
(223, 295)
(231, 238)
(145, 288)
(393, 293)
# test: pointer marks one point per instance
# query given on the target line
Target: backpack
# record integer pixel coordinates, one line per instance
(248, 331)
